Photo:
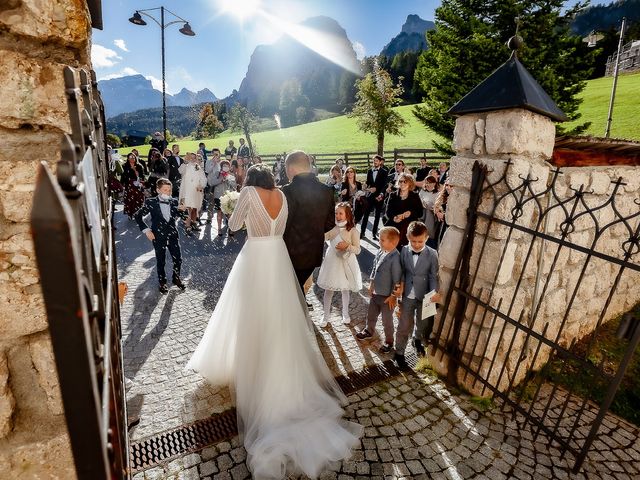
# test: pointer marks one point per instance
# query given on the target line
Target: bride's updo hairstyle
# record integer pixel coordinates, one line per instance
(260, 176)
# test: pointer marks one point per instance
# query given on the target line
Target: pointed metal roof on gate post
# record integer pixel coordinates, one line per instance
(509, 86)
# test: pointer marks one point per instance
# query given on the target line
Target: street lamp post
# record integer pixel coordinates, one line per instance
(615, 80)
(185, 30)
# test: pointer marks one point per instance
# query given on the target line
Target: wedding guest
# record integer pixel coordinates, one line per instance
(159, 168)
(175, 161)
(141, 161)
(386, 276)
(435, 173)
(428, 196)
(419, 277)
(257, 160)
(340, 163)
(443, 171)
(422, 172)
(230, 151)
(314, 167)
(192, 190)
(392, 177)
(403, 207)
(244, 153)
(238, 171)
(375, 187)
(352, 193)
(221, 181)
(163, 232)
(340, 269)
(440, 210)
(202, 150)
(279, 172)
(132, 179)
(334, 181)
(158, 142)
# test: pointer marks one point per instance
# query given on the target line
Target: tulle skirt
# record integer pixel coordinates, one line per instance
(260, 341)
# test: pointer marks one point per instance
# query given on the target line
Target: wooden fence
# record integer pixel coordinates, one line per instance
(361, 161)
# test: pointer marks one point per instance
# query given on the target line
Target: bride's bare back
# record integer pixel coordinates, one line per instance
(271, 200)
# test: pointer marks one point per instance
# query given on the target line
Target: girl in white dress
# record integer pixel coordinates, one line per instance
(192, 189)
(288, 403)
(340, 269)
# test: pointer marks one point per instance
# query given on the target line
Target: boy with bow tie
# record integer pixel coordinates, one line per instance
(419, 277)
(384, 287)
(163, 232)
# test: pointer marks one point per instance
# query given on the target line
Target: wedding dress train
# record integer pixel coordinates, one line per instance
(260, 342)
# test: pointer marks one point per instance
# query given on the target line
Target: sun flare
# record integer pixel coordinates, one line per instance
(241, 9)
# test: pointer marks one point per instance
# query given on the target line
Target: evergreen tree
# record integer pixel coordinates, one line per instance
(469, 43)
(375, 98)
(292, 98)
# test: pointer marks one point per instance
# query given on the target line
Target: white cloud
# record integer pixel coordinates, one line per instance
(157, 83)
(359, 49)
(103, 57)
(120, 44)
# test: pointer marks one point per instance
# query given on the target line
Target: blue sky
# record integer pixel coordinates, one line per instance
(218, 56)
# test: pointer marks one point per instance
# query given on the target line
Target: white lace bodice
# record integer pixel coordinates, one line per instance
(250, 211)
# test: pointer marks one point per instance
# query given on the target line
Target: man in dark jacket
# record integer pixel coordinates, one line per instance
(311, 214)
(376, 185)
(174, 162)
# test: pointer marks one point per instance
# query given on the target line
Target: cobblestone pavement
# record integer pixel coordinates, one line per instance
(414, 427)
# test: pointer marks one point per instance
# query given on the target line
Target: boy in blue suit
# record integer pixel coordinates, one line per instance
(419, 277)
(163, 232)
(384, 287)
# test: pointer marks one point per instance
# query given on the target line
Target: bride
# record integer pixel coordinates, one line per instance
(261, 343)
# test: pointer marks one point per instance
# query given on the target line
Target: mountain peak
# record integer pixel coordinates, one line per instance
(415, 24)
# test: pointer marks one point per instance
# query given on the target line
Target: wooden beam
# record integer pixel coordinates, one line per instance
(566, 157)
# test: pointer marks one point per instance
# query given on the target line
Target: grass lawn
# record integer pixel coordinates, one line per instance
(626, 108)
(340, 134)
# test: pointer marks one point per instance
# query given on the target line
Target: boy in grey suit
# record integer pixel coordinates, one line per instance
(419, 277)
(384, 287)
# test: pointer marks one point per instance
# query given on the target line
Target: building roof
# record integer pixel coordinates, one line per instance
(509, 86)
(595, 151)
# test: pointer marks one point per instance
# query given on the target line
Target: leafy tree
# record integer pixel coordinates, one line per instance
(241, 119)
(114, 140)
(469, 43)
(376, 96)
(209, 125)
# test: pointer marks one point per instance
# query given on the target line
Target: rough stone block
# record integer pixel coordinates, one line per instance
(464, 133)
(20, 313)
(59, 21)
(460, 171)
(457, 208)
(49, 458)
(448, 252)
(31, 145)
(7, 402)
(35, 93)
(44, 363)
(518, 131)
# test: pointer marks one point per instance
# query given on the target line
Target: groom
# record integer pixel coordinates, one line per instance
(311, 214)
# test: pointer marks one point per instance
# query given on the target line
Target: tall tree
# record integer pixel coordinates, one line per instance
(209, 125)
(469, 43)
(375, 98)
(242, 119)
(294, 105)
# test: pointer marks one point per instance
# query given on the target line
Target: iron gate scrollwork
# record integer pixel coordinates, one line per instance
(72, 231)
(492, 340)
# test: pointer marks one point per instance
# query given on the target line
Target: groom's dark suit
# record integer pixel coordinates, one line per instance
(311, 214)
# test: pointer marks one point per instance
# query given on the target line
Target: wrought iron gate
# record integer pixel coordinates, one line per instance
(518, 207)
(74, 246)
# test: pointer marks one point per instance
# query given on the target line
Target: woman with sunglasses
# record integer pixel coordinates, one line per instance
(403, 207)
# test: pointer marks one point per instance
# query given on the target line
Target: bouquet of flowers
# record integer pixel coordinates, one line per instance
(228, 202)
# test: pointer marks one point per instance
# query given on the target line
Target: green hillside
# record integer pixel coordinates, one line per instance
(340, 134)
(595, 106)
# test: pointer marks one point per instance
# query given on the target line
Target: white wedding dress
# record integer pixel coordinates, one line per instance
(260, 342)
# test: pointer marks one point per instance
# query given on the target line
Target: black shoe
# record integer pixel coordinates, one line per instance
(400, 361)
(386, 348)
(375, 236)
(309, 306)
(420, 351)
(163, 288)
(364, 334)
(178, 283)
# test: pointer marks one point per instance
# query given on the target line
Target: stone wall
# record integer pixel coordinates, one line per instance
(527, 139)
(37, 39)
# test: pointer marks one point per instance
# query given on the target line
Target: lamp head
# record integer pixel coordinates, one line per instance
(186, 30)
(137, 19)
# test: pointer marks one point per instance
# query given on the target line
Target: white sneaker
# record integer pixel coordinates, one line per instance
(346, 319)
(324, 322)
